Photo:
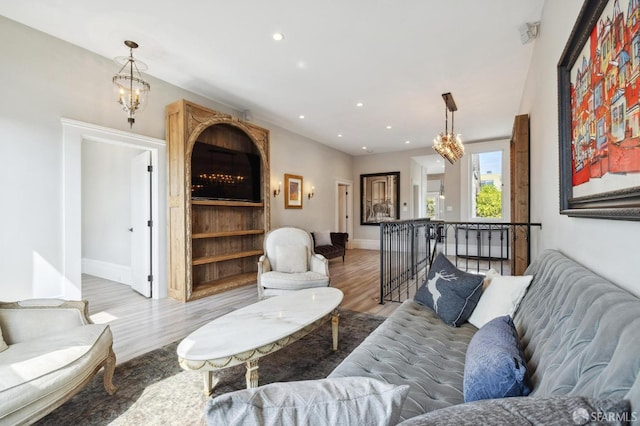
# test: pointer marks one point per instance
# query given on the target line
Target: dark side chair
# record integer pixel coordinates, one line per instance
(335, 249)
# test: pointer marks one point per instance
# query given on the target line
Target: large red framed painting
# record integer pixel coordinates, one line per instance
(599, 112)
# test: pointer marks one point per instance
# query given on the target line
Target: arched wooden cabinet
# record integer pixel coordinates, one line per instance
(216, 233)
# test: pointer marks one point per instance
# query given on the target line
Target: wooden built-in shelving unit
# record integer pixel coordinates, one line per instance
(214, 244)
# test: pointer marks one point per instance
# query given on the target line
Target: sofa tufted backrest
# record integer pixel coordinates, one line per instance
(580, 333)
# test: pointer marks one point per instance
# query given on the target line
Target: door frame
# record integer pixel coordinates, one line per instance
(73, 134)
(349, 185)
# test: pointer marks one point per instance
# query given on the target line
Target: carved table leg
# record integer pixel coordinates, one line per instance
(252, 374)
(210, 382)
(335, 320)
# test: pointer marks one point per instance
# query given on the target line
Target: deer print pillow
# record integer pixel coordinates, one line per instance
(450, 292)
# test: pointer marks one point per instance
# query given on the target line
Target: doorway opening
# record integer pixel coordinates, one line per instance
(78, 136)
(344, 209)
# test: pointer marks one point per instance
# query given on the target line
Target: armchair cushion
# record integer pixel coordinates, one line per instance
(285, 281)
(292, 259)
(26, 362)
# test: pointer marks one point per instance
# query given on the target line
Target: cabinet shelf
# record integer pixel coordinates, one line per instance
(222, 234)
(226, 203)
(223, 284)
(223, 257)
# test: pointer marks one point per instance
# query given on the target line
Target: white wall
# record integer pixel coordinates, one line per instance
(608, 247)
(43, 79)
(319, 166)
(367, 236)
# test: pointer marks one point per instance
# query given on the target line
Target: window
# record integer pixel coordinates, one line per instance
(486, 185)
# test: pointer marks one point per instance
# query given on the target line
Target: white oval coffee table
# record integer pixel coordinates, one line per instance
(249, 333)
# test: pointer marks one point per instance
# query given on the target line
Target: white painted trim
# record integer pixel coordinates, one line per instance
(366, 244)
(112, 136)
(73, 134)
(465, 179)
(107, 270)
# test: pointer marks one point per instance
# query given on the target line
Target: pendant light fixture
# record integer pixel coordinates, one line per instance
(448, 143)
(131, 89)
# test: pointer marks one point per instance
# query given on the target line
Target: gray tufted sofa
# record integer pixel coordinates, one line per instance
(581, 336)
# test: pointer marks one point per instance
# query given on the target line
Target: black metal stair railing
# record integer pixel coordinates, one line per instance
(408, 247)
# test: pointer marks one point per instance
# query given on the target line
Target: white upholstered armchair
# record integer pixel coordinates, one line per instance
(289, 263)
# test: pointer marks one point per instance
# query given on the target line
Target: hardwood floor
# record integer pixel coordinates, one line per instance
(139, 324)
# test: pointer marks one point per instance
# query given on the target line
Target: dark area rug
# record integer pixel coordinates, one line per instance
(154, 390)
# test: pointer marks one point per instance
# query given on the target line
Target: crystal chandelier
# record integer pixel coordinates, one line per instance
(448, 143)
(132, 90)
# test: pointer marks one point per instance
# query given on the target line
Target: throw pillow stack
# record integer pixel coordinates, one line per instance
(495, 366)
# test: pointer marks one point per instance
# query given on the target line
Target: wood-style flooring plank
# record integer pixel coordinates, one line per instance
(140, 325)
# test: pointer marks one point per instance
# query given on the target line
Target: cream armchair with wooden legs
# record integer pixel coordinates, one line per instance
(289, 263)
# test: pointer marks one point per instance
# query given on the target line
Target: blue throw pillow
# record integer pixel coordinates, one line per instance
(450, 292)
(495, 366)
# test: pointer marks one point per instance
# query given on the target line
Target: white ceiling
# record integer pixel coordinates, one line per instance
(396, 57)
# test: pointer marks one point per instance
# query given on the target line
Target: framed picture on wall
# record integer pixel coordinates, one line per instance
(292, 191)
(379, 198)
(599, 113)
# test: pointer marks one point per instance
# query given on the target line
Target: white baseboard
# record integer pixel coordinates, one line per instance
(366, 244)
(107, 270)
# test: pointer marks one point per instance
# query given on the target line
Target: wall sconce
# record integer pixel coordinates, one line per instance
(276, 192)
(311, 194)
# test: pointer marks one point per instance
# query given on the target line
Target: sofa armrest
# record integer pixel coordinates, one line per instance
(319, 264)
(30, 319)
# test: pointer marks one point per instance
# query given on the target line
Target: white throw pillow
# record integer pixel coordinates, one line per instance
(322, 238)
(488, 276)
(3, 344)
(502, 297)
(292, 259)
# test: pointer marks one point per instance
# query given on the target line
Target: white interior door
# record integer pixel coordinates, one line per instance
(140, 224)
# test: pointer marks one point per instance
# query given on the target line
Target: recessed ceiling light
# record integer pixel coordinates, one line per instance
(339, 135)
(301, 117)
(359, 104)
(278, 36)
(364, 147)
(407, 141)
(388, 127)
